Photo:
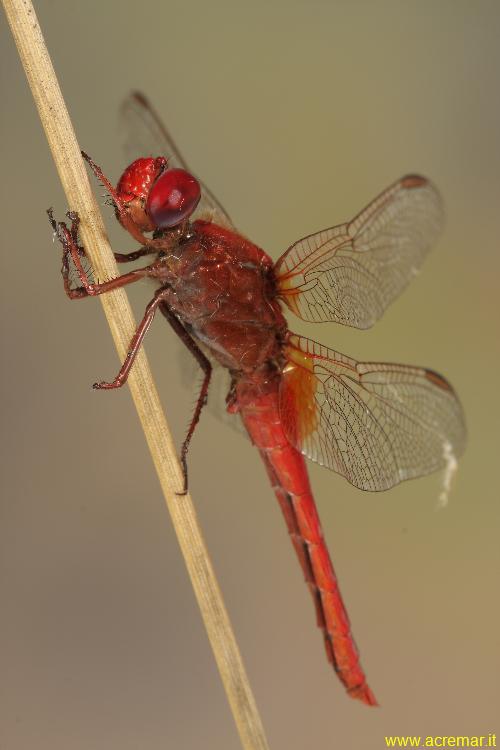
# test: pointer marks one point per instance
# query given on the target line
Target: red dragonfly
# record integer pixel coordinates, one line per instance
(375, 424)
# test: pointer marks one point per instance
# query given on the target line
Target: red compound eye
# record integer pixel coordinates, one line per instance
(173, 197)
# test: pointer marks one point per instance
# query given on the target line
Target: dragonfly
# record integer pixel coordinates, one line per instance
(375, 424)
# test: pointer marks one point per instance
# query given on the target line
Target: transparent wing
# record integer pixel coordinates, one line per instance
(350, 273)
(220, 384)
(143, 134)
(375, 424)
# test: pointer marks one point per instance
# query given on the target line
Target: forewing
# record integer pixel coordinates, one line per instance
(375, 424)
(350, 273)
(144, 134)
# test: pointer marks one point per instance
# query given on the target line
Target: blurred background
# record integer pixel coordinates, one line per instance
(296, 114)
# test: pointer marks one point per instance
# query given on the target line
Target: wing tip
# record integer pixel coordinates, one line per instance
(438, 380)
(138, 96)
(411, 181)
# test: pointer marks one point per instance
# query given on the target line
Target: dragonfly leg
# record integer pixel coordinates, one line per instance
(75, 253)
(134, 255)
(206, 366)
(135, 344)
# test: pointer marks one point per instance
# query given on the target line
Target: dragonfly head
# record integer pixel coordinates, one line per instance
(157, 197)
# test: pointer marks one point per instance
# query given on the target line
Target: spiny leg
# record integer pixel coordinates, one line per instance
(71, 250)
(75, 252)
(135, 344)
(206, 366)
(69, 242)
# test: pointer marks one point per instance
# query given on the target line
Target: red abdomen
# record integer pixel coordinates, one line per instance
(259, 409)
